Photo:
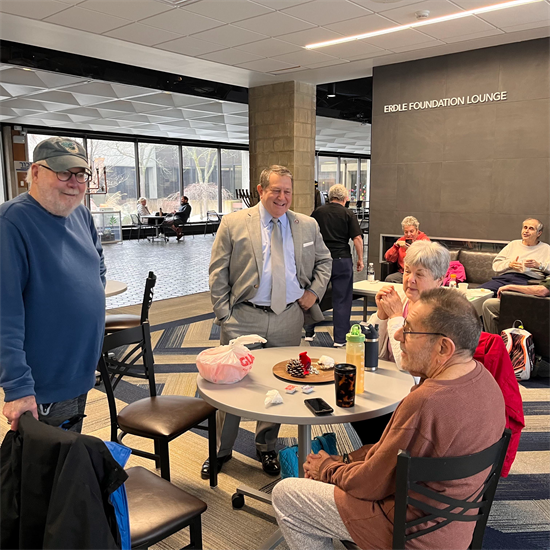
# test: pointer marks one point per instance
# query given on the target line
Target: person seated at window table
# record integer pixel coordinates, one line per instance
(491, 307)
(143, 210)
(425, 268)
(398, 251)
(179, 218)
(352, 497)
(523, 260)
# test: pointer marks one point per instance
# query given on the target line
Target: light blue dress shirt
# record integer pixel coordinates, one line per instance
(293, 289)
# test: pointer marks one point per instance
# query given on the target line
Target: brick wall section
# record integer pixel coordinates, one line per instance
(472, 171)
(282, 131)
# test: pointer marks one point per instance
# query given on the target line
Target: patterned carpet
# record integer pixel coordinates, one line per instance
(520, 516)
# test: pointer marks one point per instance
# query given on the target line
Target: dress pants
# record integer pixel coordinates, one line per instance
(279, 330)
(342, 297)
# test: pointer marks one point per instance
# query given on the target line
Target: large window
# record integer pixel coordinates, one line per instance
(348, 176)
(159, 176)
(114, 164)
(235, 175)
(354, 173)
(200, 180)
(328, 173)
(208, 176)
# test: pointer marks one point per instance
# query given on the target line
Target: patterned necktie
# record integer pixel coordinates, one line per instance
(278, 280)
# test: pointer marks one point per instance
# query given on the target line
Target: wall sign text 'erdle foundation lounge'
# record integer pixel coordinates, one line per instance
(446, 102)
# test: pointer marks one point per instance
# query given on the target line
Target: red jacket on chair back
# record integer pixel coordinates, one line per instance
(492, 353)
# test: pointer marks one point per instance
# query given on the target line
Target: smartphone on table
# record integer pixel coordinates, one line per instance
(318, 406)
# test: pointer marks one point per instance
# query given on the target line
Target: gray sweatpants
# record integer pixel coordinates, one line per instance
(54, 414)
(307, 514)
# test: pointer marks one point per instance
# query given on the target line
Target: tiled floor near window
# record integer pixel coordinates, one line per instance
(181, 268)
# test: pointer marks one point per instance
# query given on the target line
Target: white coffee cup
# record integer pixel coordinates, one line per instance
(463, 287)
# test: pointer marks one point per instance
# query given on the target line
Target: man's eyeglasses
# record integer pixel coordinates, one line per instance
(81, 177)
(405, 332)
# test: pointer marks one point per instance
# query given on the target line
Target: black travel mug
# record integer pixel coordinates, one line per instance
(371, 346)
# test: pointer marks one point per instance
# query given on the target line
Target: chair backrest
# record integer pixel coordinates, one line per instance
(148, 296)
(358, 204)
(412, 475)
(133, 357)
(135, 219)
(347, 204)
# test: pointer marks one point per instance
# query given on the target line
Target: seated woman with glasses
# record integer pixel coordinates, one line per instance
(352, 497)
(426, 264)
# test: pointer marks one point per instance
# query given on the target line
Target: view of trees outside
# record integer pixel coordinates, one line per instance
(235, 175)
(113, 162)
(159, 176)
(161, 180)
(200, 180)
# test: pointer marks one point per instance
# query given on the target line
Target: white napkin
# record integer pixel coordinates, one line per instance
(272, 397)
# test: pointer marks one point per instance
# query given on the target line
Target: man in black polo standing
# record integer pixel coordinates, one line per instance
(338, 225)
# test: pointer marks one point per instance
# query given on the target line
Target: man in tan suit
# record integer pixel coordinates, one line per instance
(269, 269)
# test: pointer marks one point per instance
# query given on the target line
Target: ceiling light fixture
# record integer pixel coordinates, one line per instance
(332, 90)
(422, 23)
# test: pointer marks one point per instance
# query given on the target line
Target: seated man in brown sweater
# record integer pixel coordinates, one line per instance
(353, 497)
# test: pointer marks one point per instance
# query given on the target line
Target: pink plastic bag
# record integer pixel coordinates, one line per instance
(228, 364)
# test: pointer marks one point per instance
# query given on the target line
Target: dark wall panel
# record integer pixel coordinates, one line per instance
(472, 171)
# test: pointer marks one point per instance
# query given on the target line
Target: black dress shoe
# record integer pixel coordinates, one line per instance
(270, 462)
(220, 461)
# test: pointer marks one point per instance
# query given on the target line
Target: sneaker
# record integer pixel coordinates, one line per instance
(336, 345)
(309, 337)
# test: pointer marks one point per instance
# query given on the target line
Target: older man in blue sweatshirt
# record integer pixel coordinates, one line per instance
(52, 299)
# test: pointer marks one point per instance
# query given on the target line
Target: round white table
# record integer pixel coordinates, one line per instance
(384, 389)
(112, 288)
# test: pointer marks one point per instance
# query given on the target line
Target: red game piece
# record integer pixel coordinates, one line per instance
(306, 362)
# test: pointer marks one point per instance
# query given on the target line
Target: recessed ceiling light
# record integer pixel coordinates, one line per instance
(27, 69)
(422, 23)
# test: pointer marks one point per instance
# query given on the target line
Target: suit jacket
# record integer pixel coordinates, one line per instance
(237, 260)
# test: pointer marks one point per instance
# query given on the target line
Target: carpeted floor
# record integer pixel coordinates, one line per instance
(182, 327)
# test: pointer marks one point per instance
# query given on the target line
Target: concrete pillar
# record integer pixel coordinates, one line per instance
(282, 131)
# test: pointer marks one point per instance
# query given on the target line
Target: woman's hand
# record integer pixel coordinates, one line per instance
(391, 302)
(382, 312)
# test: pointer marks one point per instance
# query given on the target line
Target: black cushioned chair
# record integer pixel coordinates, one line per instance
(159, 509)
(413, 473)
(161, 418)
(121, 321)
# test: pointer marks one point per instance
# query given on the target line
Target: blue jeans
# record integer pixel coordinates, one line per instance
(507, 279)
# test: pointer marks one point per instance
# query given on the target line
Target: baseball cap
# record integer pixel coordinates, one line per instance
(61, 154)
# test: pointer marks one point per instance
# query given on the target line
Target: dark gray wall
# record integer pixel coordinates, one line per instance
(473, 171)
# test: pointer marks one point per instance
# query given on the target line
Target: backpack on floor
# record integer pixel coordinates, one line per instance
(288, 457)
(521, 348)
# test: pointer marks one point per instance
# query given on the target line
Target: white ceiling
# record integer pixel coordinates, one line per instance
(253, 42)
(53, 100)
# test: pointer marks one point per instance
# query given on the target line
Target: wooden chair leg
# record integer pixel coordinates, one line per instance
(212, 449)
(164, 459)
(195, 534)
